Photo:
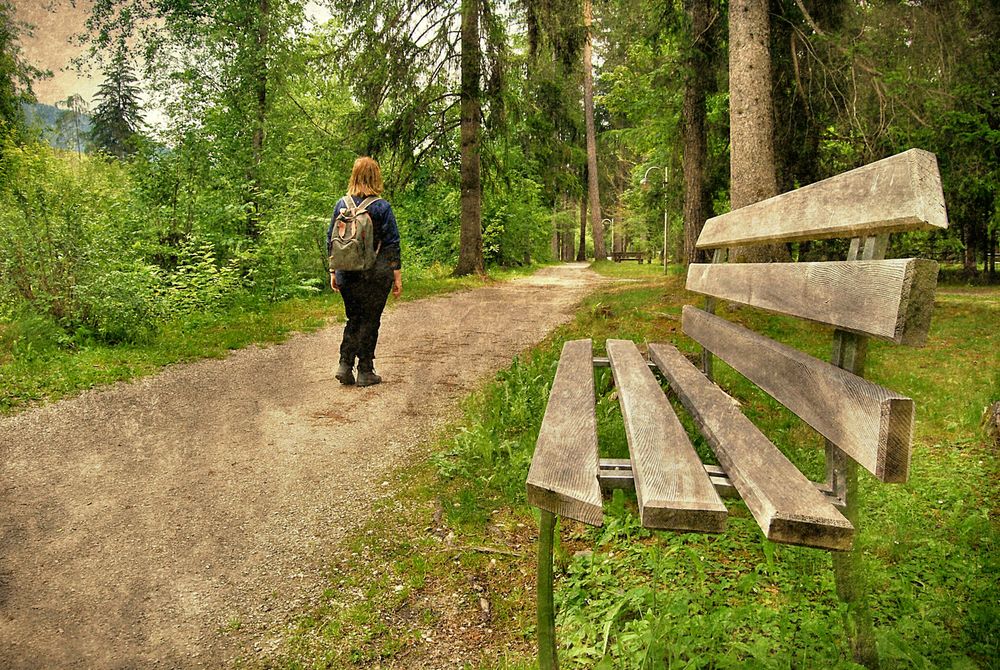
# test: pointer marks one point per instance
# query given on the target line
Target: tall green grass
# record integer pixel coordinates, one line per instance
(631, 598)
(645, 599)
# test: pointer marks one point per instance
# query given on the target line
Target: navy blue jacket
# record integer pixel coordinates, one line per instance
(386, 230)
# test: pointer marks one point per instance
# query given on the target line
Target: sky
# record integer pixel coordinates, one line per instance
(50, 46)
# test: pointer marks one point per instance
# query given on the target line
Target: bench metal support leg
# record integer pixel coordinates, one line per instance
(547, 659)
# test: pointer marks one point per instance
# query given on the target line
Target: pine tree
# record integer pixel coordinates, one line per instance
(16, 74)
(751, 117)
(118, 116)
(593, 182)
(470, 258)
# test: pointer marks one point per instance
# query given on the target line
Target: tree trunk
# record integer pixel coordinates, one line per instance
(588, 111)
(751, 117)
(581, 252)
(470, 258)
(257, 142)
(567, 246)
(696, 204)
(993, 256)
(969, 266)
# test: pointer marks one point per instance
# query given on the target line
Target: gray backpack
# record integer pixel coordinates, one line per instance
(352, 243)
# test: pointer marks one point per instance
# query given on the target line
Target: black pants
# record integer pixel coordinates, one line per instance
(364, 293)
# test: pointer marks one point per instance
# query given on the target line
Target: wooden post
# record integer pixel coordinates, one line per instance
(547, 658)
(706, 356)
(849, 352)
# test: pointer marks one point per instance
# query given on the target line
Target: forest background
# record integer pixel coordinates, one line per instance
(222, 203)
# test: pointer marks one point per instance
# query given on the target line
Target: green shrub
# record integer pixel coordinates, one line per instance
(69, 234)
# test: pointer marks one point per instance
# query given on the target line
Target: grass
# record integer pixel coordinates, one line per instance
(631, 598)
(40, 363)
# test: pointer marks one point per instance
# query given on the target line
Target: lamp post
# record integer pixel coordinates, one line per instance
(645, 184)
(612, 222)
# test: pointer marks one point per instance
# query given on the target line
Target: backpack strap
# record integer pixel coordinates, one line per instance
(367, 202)
(363, 207)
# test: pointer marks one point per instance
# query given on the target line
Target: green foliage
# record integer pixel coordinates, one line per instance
(69, 236)
(117, 118)
(495, 450)
(857, 83)
(516, 228)
(198, 283)
(631, 598)
(16, 73)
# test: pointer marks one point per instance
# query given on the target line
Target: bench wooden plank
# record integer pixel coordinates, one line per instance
(902, 192)
(671, 485)
(870, 423)
(786, 505)
(563, 474)
(890, 299)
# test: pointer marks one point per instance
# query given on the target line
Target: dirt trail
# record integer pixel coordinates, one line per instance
(140, 519)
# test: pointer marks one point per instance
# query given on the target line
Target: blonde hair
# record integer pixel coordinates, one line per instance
(366, 178)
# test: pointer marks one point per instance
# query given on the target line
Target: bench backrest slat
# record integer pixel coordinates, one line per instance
(890, 299)
(871, 424)
(902, 192)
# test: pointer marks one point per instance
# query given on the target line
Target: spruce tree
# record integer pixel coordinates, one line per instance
(118, 115)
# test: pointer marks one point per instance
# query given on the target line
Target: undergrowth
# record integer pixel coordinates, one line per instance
(627, 597)
(42, 361)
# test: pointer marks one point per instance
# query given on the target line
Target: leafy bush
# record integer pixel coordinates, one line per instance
(121, 304)
(429, 224)
(516, 228)
(69, 233)
(199, 284)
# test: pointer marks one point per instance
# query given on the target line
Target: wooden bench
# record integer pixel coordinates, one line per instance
(863, 423)
(619, 256)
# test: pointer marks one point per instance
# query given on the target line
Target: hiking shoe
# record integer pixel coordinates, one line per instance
(367, 376)
(345, 373)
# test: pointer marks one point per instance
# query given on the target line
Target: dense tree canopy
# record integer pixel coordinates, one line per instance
(262, 109)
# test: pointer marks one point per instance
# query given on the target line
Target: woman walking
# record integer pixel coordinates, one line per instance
(365, 291)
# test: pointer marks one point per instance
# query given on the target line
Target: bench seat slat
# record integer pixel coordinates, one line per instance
(872, 424)
(785, 504)
(672, 487)
(902, 192)
(563, 474)
(890, 299)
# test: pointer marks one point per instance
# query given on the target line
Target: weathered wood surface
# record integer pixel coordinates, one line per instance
(902, 192)
(563, 474)
(616, 473)
(786, 505)
(891, 299)
(871, 424)
(671, 485)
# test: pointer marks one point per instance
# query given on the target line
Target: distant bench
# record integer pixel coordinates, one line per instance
(863, 423)
(619, 256)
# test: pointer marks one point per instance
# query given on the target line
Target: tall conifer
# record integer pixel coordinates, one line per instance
(118, 115)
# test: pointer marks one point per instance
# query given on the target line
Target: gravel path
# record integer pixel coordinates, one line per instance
(141, 519)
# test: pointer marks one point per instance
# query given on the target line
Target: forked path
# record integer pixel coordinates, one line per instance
(139, 520)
